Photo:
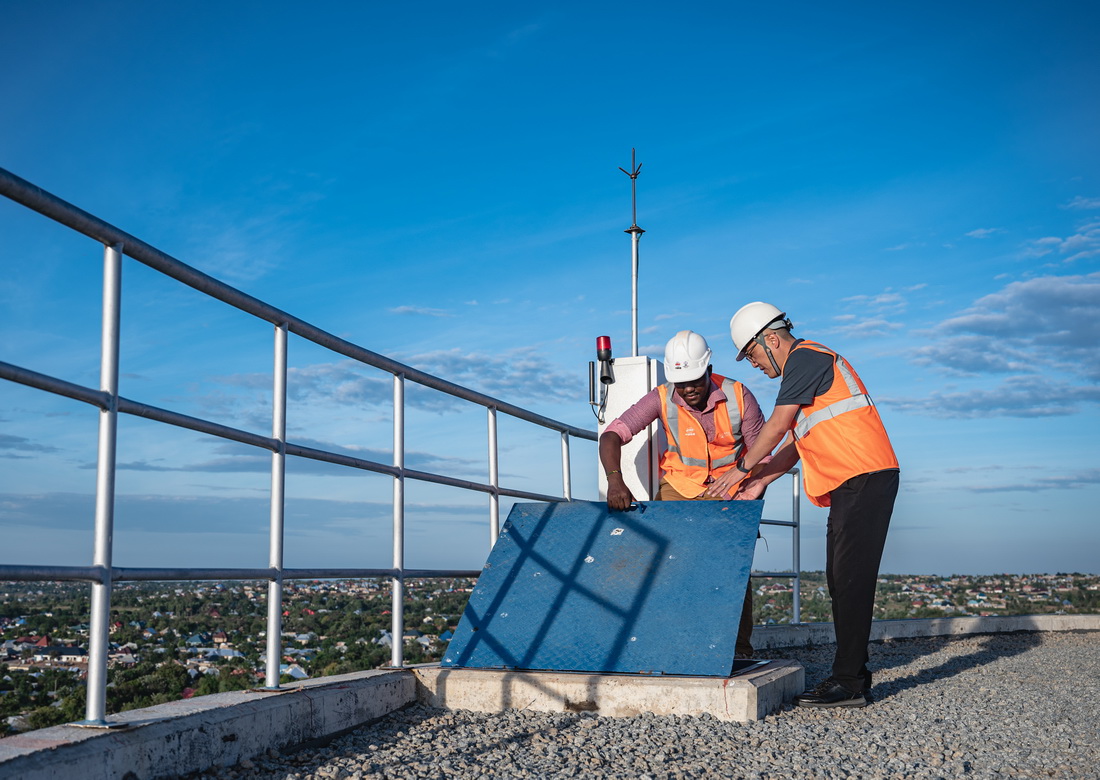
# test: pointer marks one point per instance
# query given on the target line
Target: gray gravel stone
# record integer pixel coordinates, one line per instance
(989, 706)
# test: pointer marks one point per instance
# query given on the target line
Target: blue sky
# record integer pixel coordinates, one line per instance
(918, 186)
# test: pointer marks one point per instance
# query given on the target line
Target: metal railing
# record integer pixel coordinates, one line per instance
(796, 548)
(102, 573)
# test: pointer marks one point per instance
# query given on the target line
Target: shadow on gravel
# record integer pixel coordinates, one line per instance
(900, 653)
(888, 655)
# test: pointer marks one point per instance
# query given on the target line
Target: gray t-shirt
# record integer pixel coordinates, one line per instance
(806, 375)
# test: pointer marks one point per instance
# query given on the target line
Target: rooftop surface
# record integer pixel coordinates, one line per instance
(980, 706)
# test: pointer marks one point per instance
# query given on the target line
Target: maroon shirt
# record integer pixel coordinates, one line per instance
(637, 417)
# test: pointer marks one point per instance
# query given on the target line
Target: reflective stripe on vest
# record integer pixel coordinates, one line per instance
(672, 424)
(848, 436)
(857, 400)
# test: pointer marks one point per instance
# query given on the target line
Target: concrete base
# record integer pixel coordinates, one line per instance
(221, 730)
(749, 696)
(194, 734)
(772, 637)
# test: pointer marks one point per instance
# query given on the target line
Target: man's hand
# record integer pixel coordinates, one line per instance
(724, 485)
(619, 496)
(750, 489)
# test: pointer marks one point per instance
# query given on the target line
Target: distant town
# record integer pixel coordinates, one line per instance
(177, 640)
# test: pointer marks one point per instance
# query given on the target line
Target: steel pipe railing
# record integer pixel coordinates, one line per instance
(796, 564)
(128, 574)
(397, 615)
(566, 486)
(99, 623)
(103, 574)
(494, 478)
(278, 490)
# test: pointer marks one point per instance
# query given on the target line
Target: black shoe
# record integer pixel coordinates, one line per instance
(830, 693)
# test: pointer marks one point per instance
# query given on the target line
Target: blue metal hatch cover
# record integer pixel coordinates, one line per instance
(575, 587)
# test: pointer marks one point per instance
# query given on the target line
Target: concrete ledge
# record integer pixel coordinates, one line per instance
(770, 637)
(195, 734)
(748, 696)
(222, 730)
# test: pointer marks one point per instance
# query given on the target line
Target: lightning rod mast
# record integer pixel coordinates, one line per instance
(635, 236)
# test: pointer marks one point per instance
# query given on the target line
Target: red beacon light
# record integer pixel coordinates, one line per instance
(603, 348)
(603, 354)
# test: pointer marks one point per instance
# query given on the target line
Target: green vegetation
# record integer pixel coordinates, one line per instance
(900, 597)
(175, 640)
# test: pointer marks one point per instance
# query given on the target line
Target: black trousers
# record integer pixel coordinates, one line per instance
(859, 518)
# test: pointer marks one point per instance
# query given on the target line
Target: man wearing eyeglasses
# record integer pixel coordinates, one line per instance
(848, 464)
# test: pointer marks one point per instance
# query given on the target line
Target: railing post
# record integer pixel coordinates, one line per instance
(494, 479)
(278, 487)
(566, 473)
(796, 547)
(398, 608)
(95, 712)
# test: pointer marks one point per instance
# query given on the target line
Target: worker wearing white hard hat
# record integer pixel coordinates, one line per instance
(708, 419)
(829, 421)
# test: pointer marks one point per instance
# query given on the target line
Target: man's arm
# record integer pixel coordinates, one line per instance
(781, 462)
(770, 435)
(618, 432)
(618, 494)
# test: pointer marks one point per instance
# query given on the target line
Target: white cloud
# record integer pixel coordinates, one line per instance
(518, 376)
(1042, 246)
(236, 458)
(1040, 334)
(873, 327)
(1020, 396)
(202, 514)
(9, 445)
(1082, 244)
(1081, 202)
(1078, 479)
(984, 232)
(1051, 322)
(421, 310)
(243, 245)
(886, 300)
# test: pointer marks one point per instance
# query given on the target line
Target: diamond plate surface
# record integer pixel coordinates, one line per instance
(574, 587)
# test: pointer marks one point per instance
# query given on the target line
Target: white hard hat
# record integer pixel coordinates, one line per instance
(750, 320)
(686, 357)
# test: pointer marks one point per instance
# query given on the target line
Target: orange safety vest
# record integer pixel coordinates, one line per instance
(840, 435)
(690, 459)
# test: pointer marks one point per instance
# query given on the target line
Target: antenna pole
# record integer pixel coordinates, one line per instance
(635, 236)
